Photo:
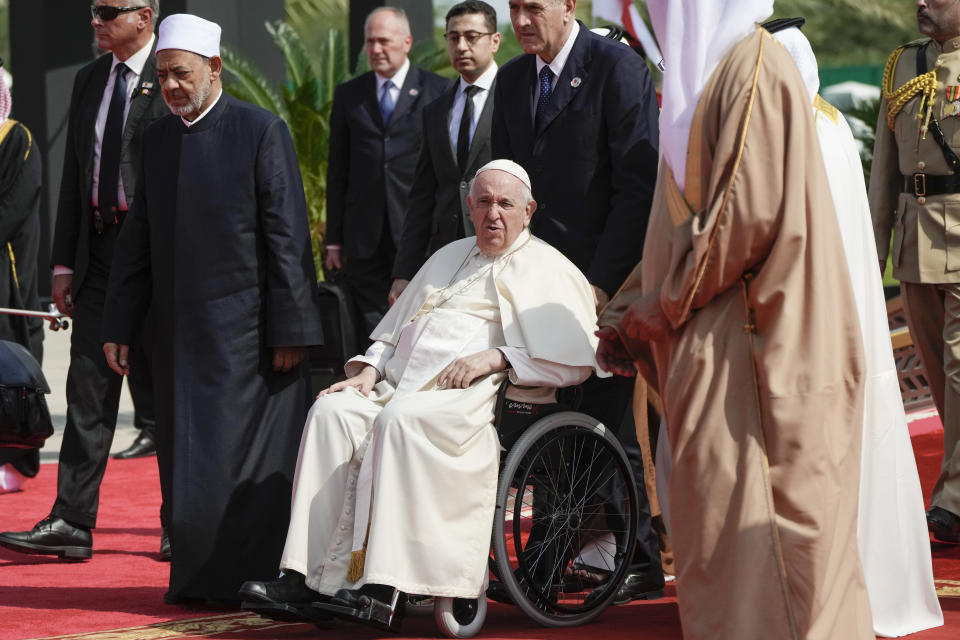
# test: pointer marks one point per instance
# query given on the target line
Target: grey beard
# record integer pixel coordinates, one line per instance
(196, 102)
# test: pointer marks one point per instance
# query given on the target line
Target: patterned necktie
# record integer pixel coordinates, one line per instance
(109, 176)
(463, 137)
(386, 102)
(546, 90)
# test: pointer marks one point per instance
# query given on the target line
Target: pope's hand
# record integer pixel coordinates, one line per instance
(396, 289)
(463, 371)
(118, 357)
(645, 320)
(362, 382)
(612, 356)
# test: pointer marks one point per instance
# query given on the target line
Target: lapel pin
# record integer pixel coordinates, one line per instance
(576, 82)
(413, 92)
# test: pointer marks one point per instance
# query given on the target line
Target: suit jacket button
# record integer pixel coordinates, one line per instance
(541, 206)
(386, 138)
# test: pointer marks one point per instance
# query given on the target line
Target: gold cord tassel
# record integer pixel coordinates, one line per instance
(925, 85)
(13, 265)
(357, 559)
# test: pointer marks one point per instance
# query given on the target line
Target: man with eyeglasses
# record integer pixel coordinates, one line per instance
(375, 135)
(114, 99)
(456, 142)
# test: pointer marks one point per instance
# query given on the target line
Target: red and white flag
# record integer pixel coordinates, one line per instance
(624, 13)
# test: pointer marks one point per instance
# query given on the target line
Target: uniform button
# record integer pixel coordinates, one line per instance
(343, 527)
(921, 165)
(921, 200)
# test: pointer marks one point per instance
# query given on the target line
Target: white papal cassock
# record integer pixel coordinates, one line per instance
(406, 477)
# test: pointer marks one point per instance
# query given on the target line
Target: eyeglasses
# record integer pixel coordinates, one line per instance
(108, 13)
(453, 37)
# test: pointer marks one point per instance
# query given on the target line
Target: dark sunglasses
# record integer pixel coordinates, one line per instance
(108, 13)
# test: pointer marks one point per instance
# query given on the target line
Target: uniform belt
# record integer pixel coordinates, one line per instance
(923, 184)
(101, 222)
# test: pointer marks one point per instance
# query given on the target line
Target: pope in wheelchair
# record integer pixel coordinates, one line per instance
(397, 471)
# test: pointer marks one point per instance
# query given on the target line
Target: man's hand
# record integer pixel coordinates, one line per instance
(118, 357)
(600, 298)
(362, 382)
(645, 320)
(63, 293)
(612, 356)
(333, 261)
(462, 371)
(286, 358)
(396, 289)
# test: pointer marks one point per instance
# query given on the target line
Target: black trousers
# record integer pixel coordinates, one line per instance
(93, 398)
(368, 280)
(609, 400)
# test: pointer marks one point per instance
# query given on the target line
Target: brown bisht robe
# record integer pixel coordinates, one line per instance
(761, 378)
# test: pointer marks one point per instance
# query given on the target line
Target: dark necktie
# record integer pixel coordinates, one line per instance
(463, 137)
(546, 90)
(109, 177)
(386, 102)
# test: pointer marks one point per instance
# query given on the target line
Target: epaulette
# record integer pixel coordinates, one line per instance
(896, 98)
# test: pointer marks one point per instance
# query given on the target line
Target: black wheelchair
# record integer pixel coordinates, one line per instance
(564, 525)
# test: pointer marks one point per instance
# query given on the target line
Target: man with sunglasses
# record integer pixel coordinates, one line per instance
(456, 142)
(114, 98)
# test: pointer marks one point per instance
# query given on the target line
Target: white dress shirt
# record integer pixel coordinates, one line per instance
(556, 66)
(135, 65)
(398, 79)
(484, 82)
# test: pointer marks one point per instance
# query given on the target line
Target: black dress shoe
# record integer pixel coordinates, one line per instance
(639, 587)
(943, 524)
(142, 447)
(497, 592)
(51, 536)
(165, 554)
(282, 599)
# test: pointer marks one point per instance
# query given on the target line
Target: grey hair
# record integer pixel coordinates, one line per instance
(397, 12)
(527, 193)
(154, 6)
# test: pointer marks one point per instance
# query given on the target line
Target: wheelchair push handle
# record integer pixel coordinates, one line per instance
(57, 320)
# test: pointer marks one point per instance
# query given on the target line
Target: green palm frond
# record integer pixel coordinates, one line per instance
(299, 63)
(246, 81)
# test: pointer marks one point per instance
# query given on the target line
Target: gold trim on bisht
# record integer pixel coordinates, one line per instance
(925, 85)
(827, 109)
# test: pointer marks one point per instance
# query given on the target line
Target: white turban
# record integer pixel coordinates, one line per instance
(189, 33)
(802, 53)
(694, 35)
(510, 167)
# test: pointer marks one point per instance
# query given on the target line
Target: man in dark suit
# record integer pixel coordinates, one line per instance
(579, 112)
(113, 100)
(454, 146)
(375, 134)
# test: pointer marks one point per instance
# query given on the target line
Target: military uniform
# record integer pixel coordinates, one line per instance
(915, 193)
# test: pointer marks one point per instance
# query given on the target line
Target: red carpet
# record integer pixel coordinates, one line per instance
(118, 594)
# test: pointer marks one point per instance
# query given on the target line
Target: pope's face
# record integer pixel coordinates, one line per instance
(542, 26)
(939, 19)
(471, 60)
(387, 43)
(187, 81)
(498, 210)
(122, 31)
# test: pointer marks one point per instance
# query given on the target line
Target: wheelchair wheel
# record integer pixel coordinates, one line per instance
(565, 520)
(460, 617)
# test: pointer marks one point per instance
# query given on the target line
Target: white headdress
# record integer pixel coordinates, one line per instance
(694, 35)
(189, 33)
(802, 53)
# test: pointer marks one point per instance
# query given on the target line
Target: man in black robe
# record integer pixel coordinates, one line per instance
(218, 241)
(20, 176)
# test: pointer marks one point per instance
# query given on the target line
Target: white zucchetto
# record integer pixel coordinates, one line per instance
(510, 167)
(189, 33)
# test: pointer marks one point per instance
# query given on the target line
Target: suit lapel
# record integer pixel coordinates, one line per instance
(139, 100)
(442, 126)
(574, 73)
(481, 136)
(371, 100)
(409, 94)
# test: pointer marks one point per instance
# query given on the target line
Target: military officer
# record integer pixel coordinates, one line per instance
(915, 193)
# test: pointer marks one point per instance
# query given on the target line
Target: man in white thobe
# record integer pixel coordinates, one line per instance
(397, 471)
(892, 529)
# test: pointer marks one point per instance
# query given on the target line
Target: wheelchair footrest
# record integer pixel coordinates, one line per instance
(370, 611)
